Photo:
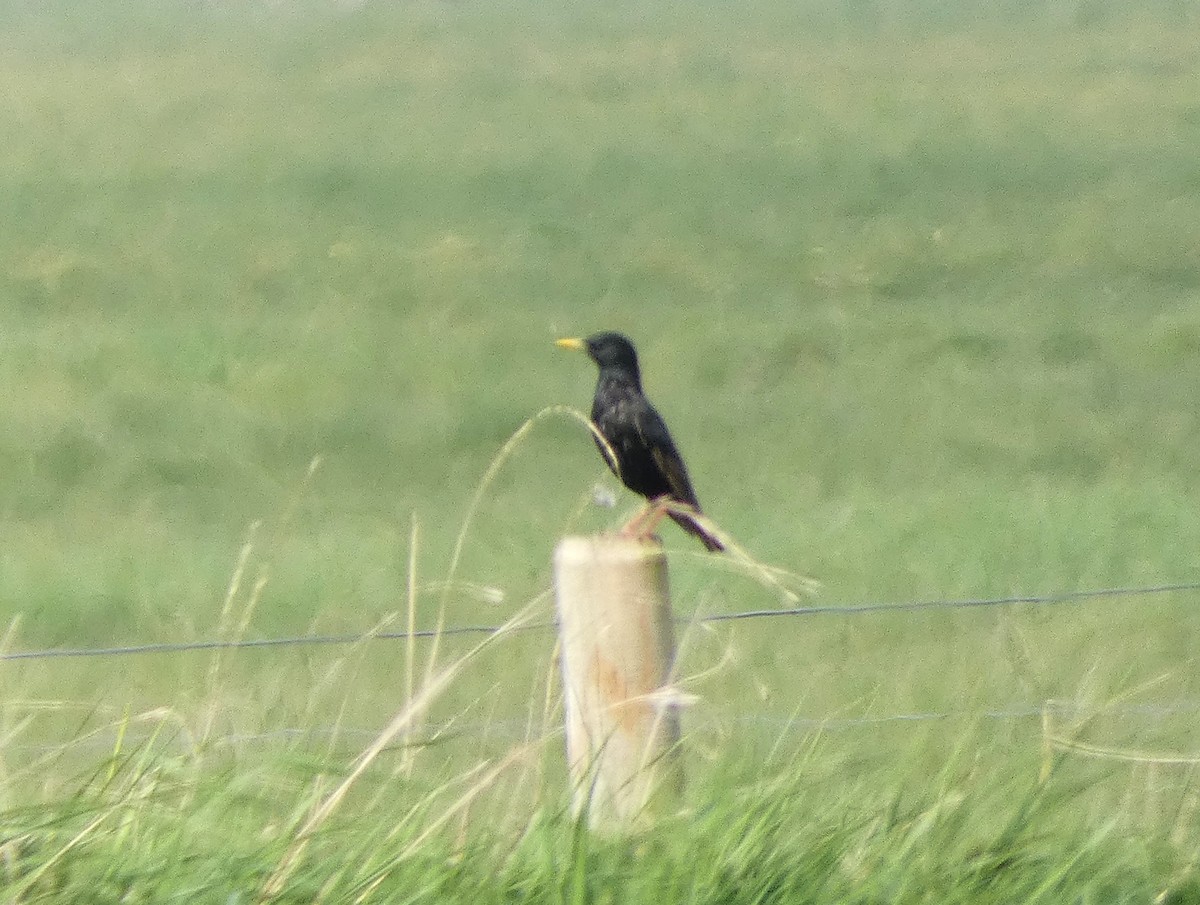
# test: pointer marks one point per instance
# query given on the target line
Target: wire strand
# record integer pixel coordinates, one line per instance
(518, 726)
(170, 647)
(1039, 599)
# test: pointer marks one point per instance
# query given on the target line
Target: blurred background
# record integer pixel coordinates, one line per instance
(916, 285)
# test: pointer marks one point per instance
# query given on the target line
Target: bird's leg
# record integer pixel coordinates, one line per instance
(645, 522)
(633, 528)
(657, 511)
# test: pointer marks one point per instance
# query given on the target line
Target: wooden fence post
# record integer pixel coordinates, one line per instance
(618, 648)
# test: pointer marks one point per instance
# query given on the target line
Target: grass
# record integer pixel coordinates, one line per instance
(917, 291)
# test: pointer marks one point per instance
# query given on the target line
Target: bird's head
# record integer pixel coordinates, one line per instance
(611, 351)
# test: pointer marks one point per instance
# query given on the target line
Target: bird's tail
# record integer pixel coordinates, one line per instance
(689, 523)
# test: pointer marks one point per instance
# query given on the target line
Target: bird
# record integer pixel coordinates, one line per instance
(646, 459)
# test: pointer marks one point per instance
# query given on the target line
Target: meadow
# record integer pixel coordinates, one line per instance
(917, 288)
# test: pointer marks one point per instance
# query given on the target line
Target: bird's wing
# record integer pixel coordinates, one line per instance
(671, 466)
(654, 434)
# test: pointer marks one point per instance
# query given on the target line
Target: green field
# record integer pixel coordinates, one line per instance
(916, 286)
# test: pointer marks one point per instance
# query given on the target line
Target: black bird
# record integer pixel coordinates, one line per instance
(647, 461)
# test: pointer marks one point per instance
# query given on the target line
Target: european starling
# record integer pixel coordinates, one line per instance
(647, 461)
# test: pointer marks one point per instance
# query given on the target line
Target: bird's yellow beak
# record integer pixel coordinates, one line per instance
(575, 345)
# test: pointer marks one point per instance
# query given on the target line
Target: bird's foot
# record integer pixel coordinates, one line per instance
(642, 537)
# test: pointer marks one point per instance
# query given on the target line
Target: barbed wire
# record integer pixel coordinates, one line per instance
(170, 647)
(1037, 599)
(517, 727)
(855, 609)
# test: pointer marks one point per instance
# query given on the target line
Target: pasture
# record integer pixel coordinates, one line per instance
(917, 291)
